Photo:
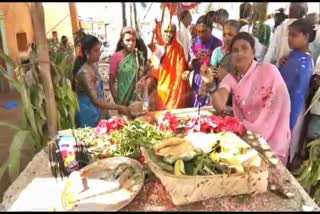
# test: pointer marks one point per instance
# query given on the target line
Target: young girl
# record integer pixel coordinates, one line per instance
(230, 29)
(297, 72)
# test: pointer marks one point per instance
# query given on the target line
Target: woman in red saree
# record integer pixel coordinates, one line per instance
(168, 64)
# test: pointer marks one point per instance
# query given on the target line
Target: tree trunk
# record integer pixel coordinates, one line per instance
(135, 17)
(124, 17)
(38, 23)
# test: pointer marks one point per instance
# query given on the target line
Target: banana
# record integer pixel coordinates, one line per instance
(179, 168)
(214, 157)
(233, 161)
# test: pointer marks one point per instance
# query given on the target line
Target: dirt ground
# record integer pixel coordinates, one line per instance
(6, 135)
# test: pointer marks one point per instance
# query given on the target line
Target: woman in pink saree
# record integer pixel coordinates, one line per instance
(260, 96)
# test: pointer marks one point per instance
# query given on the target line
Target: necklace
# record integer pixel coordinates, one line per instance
(239, 76)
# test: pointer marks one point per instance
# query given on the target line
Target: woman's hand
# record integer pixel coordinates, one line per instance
(204, 68)
(124, 110)
(141, 83)
(203, 90)
(316, 81)
(220, 73)
(200, 55)
(206, 75)
(185, 75)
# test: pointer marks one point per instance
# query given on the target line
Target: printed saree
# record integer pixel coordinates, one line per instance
(127, 78)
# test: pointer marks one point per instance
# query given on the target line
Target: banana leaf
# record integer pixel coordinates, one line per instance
(3, 169)
(15, 153)
(9, 125)
(314, 100)
(7, 59)
(315, 142)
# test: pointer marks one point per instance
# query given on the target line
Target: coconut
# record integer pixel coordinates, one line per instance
(136, 108)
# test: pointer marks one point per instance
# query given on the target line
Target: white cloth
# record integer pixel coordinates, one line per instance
(317, 67)
(217, 31)
(185, 39)
(42, 194)
(295, 136)
(157, 55)
(260, 48)
(279, 46)
(316, 107)
(315, 45)
(270, 23)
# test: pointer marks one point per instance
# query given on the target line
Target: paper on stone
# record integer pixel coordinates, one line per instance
(42, 194)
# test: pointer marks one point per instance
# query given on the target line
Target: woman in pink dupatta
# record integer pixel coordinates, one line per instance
(260, 96)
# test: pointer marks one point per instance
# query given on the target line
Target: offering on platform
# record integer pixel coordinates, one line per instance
(106, 185)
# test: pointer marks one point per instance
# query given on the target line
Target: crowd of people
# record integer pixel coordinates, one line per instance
(267, 75)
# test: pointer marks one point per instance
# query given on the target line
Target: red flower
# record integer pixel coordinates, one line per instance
(64, 154)
(233, 125)
(106, 126)
(169, 122)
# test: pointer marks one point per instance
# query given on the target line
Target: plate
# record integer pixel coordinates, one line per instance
(105, 185)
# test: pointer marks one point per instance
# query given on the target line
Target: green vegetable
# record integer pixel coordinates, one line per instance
(134, 135)
(159, 161)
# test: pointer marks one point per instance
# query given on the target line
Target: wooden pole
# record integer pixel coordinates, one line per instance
(37, 14)
(162, 15)
(136, 17)
(75, 23)
(131, 14)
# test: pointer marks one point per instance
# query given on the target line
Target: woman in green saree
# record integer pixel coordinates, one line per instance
(126, 68)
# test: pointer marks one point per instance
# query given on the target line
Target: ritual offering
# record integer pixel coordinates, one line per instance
(106, 185)
(136, 108)
(197, 155)
(207, 159)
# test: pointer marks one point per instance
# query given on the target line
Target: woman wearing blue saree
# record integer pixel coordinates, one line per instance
(297, 72)
(89, 87)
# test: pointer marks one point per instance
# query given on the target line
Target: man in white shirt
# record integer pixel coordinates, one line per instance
(315, 45)
(246, 19)
(279, 46)
(221, 16)
(184, 35)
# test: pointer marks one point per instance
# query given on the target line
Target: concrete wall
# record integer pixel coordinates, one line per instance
(55, 13)
(17, 19)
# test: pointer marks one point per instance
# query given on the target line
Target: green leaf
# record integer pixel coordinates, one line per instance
(7, 59)
(314, 100)
(3, 169)
(14, 82)
(9, 125)
(15, 153)
(315, 142)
